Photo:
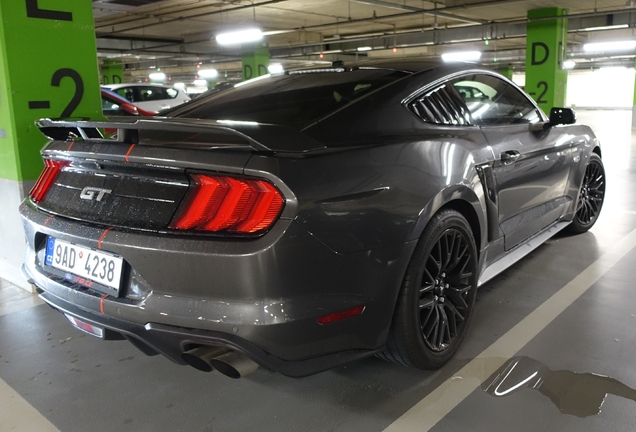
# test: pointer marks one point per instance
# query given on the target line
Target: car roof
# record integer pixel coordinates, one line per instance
(405, 65)
(117, 86)
(412, 66)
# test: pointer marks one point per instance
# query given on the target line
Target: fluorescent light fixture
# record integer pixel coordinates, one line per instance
(200, 83)
(208, 73)
(365, 48)
(157, 76)
(611, 27)
(239, 36)
(610, 46)
(275, 68)
(569, 64)
(180, 85)
(461, 56)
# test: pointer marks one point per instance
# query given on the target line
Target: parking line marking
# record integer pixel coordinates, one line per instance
(437, 404)
(19, 305)
(17, 414)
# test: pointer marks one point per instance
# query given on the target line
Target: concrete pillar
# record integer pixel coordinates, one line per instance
(48, 68)
(255, 64)
(112, 72)
(546, 81)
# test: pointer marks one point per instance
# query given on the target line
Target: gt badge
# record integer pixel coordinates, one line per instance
(90, 193)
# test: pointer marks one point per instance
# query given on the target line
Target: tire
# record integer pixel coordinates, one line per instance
(591, 196)
(436, 301)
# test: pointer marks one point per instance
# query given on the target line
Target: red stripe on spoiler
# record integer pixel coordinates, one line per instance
(128, 152)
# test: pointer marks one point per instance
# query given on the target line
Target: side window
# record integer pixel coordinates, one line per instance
(442, 105)
(492, 101)
(127, 93)
(152, 94)
(172, 93)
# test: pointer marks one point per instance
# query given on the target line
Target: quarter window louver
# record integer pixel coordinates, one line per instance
(441, 106)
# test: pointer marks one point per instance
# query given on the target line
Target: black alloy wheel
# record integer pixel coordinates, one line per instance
(591, 196)
(436, 301)
(443, 303)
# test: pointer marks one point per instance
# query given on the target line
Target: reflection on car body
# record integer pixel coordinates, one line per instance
(307, 219)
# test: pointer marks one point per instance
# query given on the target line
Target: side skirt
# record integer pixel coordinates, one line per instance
(519, 252)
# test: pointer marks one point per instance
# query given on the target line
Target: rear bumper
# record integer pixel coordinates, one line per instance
(171, 342)
(260, 297)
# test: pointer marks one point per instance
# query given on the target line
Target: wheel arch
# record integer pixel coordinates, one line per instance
(401, 343)
(468, 202)
(468, 211)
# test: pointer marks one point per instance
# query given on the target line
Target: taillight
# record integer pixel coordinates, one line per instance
(51, 169)
(220, 203)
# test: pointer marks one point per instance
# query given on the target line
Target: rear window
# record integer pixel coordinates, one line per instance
(148, 94)
(294, 99)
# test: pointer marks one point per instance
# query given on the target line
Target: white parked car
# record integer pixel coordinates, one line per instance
(151, 97)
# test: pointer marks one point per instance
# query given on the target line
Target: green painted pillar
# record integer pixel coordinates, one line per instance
(506, 71)
(48, 68)
(546, 81)
(255, 64)
(112, 72)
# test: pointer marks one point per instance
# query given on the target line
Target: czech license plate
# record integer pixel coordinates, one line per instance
(84, 262)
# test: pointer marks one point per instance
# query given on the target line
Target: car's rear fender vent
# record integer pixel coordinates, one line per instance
(441, 106)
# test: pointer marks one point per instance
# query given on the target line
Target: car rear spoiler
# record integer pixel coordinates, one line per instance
(259, 136)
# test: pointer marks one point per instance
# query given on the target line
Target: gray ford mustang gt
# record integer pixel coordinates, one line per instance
(304, 220)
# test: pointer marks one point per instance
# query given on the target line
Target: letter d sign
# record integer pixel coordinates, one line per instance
(546, 53)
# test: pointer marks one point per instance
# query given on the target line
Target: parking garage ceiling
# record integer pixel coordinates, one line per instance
(176, 35)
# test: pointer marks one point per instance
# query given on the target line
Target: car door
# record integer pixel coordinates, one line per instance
(532, 162)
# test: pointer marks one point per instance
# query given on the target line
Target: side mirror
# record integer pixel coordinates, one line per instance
(564, 116)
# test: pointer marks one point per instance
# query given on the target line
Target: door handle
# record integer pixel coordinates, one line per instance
(509, 157)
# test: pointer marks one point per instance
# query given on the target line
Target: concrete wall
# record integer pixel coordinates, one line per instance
(12, 242)
(601, 88)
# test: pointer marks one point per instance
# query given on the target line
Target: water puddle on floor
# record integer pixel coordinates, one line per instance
(574, 393)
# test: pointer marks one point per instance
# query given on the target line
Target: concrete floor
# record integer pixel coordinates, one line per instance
(565, 314)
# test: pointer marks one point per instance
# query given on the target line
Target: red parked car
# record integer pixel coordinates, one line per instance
(115, 105)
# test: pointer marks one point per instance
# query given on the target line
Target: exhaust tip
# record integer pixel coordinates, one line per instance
(234, 365)
(199, 358)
